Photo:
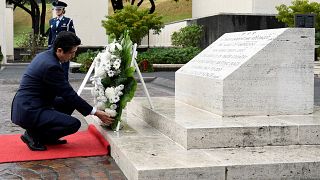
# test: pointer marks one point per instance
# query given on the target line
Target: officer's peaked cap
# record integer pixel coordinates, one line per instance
(59, 4)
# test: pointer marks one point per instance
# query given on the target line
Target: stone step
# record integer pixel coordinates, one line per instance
(194, 128)
(143, 153)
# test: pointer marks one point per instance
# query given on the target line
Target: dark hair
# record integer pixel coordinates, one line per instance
(66, 40)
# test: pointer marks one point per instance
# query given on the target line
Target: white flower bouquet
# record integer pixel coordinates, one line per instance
(113, 79)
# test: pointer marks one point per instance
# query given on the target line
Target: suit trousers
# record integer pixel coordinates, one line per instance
(55, 123)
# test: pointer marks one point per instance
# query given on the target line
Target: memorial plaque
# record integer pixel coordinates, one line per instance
(304, 20)
(228, 53)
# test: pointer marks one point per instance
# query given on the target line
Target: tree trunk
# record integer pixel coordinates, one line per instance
(35, 17)
(153, 7)
(43, 18)
(117, 5)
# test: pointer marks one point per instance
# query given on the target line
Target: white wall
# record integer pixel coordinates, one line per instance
(87, 16)
(202, 8)
(2, 26)
(6, 31)
(164, 38)
(9, 32)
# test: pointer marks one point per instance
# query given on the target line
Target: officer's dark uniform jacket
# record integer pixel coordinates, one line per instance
(65, 24)
(42, 82)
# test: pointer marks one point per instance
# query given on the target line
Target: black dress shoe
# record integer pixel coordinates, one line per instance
(55, 142)
(32, 144)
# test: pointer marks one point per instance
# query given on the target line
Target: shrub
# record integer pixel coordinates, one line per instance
(188, 36)
(86, 59)
(32, 43)
(138, 22)
(169, 55)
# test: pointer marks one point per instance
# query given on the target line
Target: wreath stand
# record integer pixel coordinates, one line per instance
(133, 63)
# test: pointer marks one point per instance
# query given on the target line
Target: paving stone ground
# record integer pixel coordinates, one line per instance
(100, 167)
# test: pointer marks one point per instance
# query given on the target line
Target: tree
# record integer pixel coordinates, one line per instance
(32, 8)
(138, 22)
(37, 38)
(286, 13)
(118, 5)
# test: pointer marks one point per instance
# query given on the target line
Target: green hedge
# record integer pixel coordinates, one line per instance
(169, 55)
(86, 59)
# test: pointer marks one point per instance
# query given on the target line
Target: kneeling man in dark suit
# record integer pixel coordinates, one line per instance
(45, 100)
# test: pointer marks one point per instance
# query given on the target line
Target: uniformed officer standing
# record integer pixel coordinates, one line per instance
(58, 24)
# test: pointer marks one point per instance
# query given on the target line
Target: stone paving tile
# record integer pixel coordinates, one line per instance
(71, 168)
(100, 167)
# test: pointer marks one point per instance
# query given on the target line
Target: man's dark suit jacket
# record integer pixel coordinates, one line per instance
(42, 82)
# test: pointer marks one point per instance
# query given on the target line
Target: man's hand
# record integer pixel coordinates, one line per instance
(104, 117)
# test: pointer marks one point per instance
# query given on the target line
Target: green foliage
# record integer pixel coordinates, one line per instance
(169, 55)
(137, 22)
(188, 36)
(317, 36)
(29, 40)
(86, 59)
(286, 13)
(32, 43)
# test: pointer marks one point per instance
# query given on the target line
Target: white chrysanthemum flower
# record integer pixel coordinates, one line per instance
(119, 46)
(107, 67)
(114, 57)
(105, 57)
(116, 99)
(99, 72)
(101, 91)
(113, 106)
(121, 86)
(94, 92)
(102, 99)
(110, 73)
(109, 92)
(112, 100)
(114, 46)
(119, 93)
(116, 65)
(111, 112)
(100, 106)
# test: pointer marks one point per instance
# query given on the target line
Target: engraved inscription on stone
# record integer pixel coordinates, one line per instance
(228, 53)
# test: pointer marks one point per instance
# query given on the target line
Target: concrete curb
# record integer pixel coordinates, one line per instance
(167, 67)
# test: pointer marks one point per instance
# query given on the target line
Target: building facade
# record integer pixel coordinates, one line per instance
(203, 8)
(87, 19)
(6, 30)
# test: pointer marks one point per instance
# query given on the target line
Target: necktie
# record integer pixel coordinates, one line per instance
(57, 22)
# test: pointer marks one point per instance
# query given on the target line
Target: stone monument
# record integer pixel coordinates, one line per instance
(198, 134)
(266, 72)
